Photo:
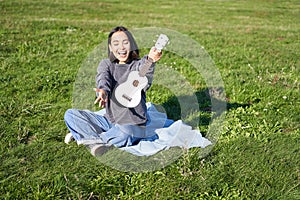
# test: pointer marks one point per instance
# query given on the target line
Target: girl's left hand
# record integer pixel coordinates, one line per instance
(154, 54)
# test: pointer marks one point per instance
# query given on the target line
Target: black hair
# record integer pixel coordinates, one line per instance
(134, 51)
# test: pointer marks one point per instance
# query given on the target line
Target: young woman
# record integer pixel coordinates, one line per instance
(118, 125)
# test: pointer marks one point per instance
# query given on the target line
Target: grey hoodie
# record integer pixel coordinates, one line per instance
(109, 76)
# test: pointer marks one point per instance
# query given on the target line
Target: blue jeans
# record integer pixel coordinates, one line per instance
(89, 127)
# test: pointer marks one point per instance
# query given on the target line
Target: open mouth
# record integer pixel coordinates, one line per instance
(122, 53)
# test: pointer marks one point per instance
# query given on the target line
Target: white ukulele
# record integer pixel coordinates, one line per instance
(128, 93)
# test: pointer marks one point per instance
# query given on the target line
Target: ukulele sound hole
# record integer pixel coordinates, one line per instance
(135, 83)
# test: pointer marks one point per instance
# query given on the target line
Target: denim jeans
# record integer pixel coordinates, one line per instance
(89, 127)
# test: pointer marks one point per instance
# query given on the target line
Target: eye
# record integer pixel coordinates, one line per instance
(125, 42)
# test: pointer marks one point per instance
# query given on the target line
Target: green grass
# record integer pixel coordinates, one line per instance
(255, 46)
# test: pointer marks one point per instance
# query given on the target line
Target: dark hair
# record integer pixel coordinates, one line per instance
(134, 51)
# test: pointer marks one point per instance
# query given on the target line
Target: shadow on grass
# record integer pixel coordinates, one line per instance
(206, 110)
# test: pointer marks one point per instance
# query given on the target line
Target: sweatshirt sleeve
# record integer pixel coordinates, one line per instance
(149, 74)
(104, 77)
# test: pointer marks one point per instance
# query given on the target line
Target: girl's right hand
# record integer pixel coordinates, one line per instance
(102, 97)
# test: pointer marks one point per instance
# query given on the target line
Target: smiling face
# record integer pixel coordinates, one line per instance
(120, 46)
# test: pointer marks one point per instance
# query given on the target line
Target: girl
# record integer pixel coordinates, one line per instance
(116, 125)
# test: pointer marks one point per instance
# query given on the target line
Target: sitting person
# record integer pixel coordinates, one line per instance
(116, 125)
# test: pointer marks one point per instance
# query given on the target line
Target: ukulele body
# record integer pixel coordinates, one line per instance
(128, 93)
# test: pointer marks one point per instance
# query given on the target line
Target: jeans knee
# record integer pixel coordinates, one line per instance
(69, 114)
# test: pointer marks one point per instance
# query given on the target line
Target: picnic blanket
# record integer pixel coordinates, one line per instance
(176, 135)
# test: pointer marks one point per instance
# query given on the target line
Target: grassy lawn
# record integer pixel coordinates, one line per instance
(255, 47)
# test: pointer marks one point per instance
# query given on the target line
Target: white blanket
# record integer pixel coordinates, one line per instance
(178, 134)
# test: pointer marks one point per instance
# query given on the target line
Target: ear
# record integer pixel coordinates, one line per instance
(109, 47)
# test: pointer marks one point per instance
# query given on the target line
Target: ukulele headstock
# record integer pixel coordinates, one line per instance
(161, 42)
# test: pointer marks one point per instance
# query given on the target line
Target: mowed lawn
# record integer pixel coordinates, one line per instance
(255, 47)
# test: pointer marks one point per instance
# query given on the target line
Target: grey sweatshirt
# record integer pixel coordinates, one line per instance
(109, 75)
